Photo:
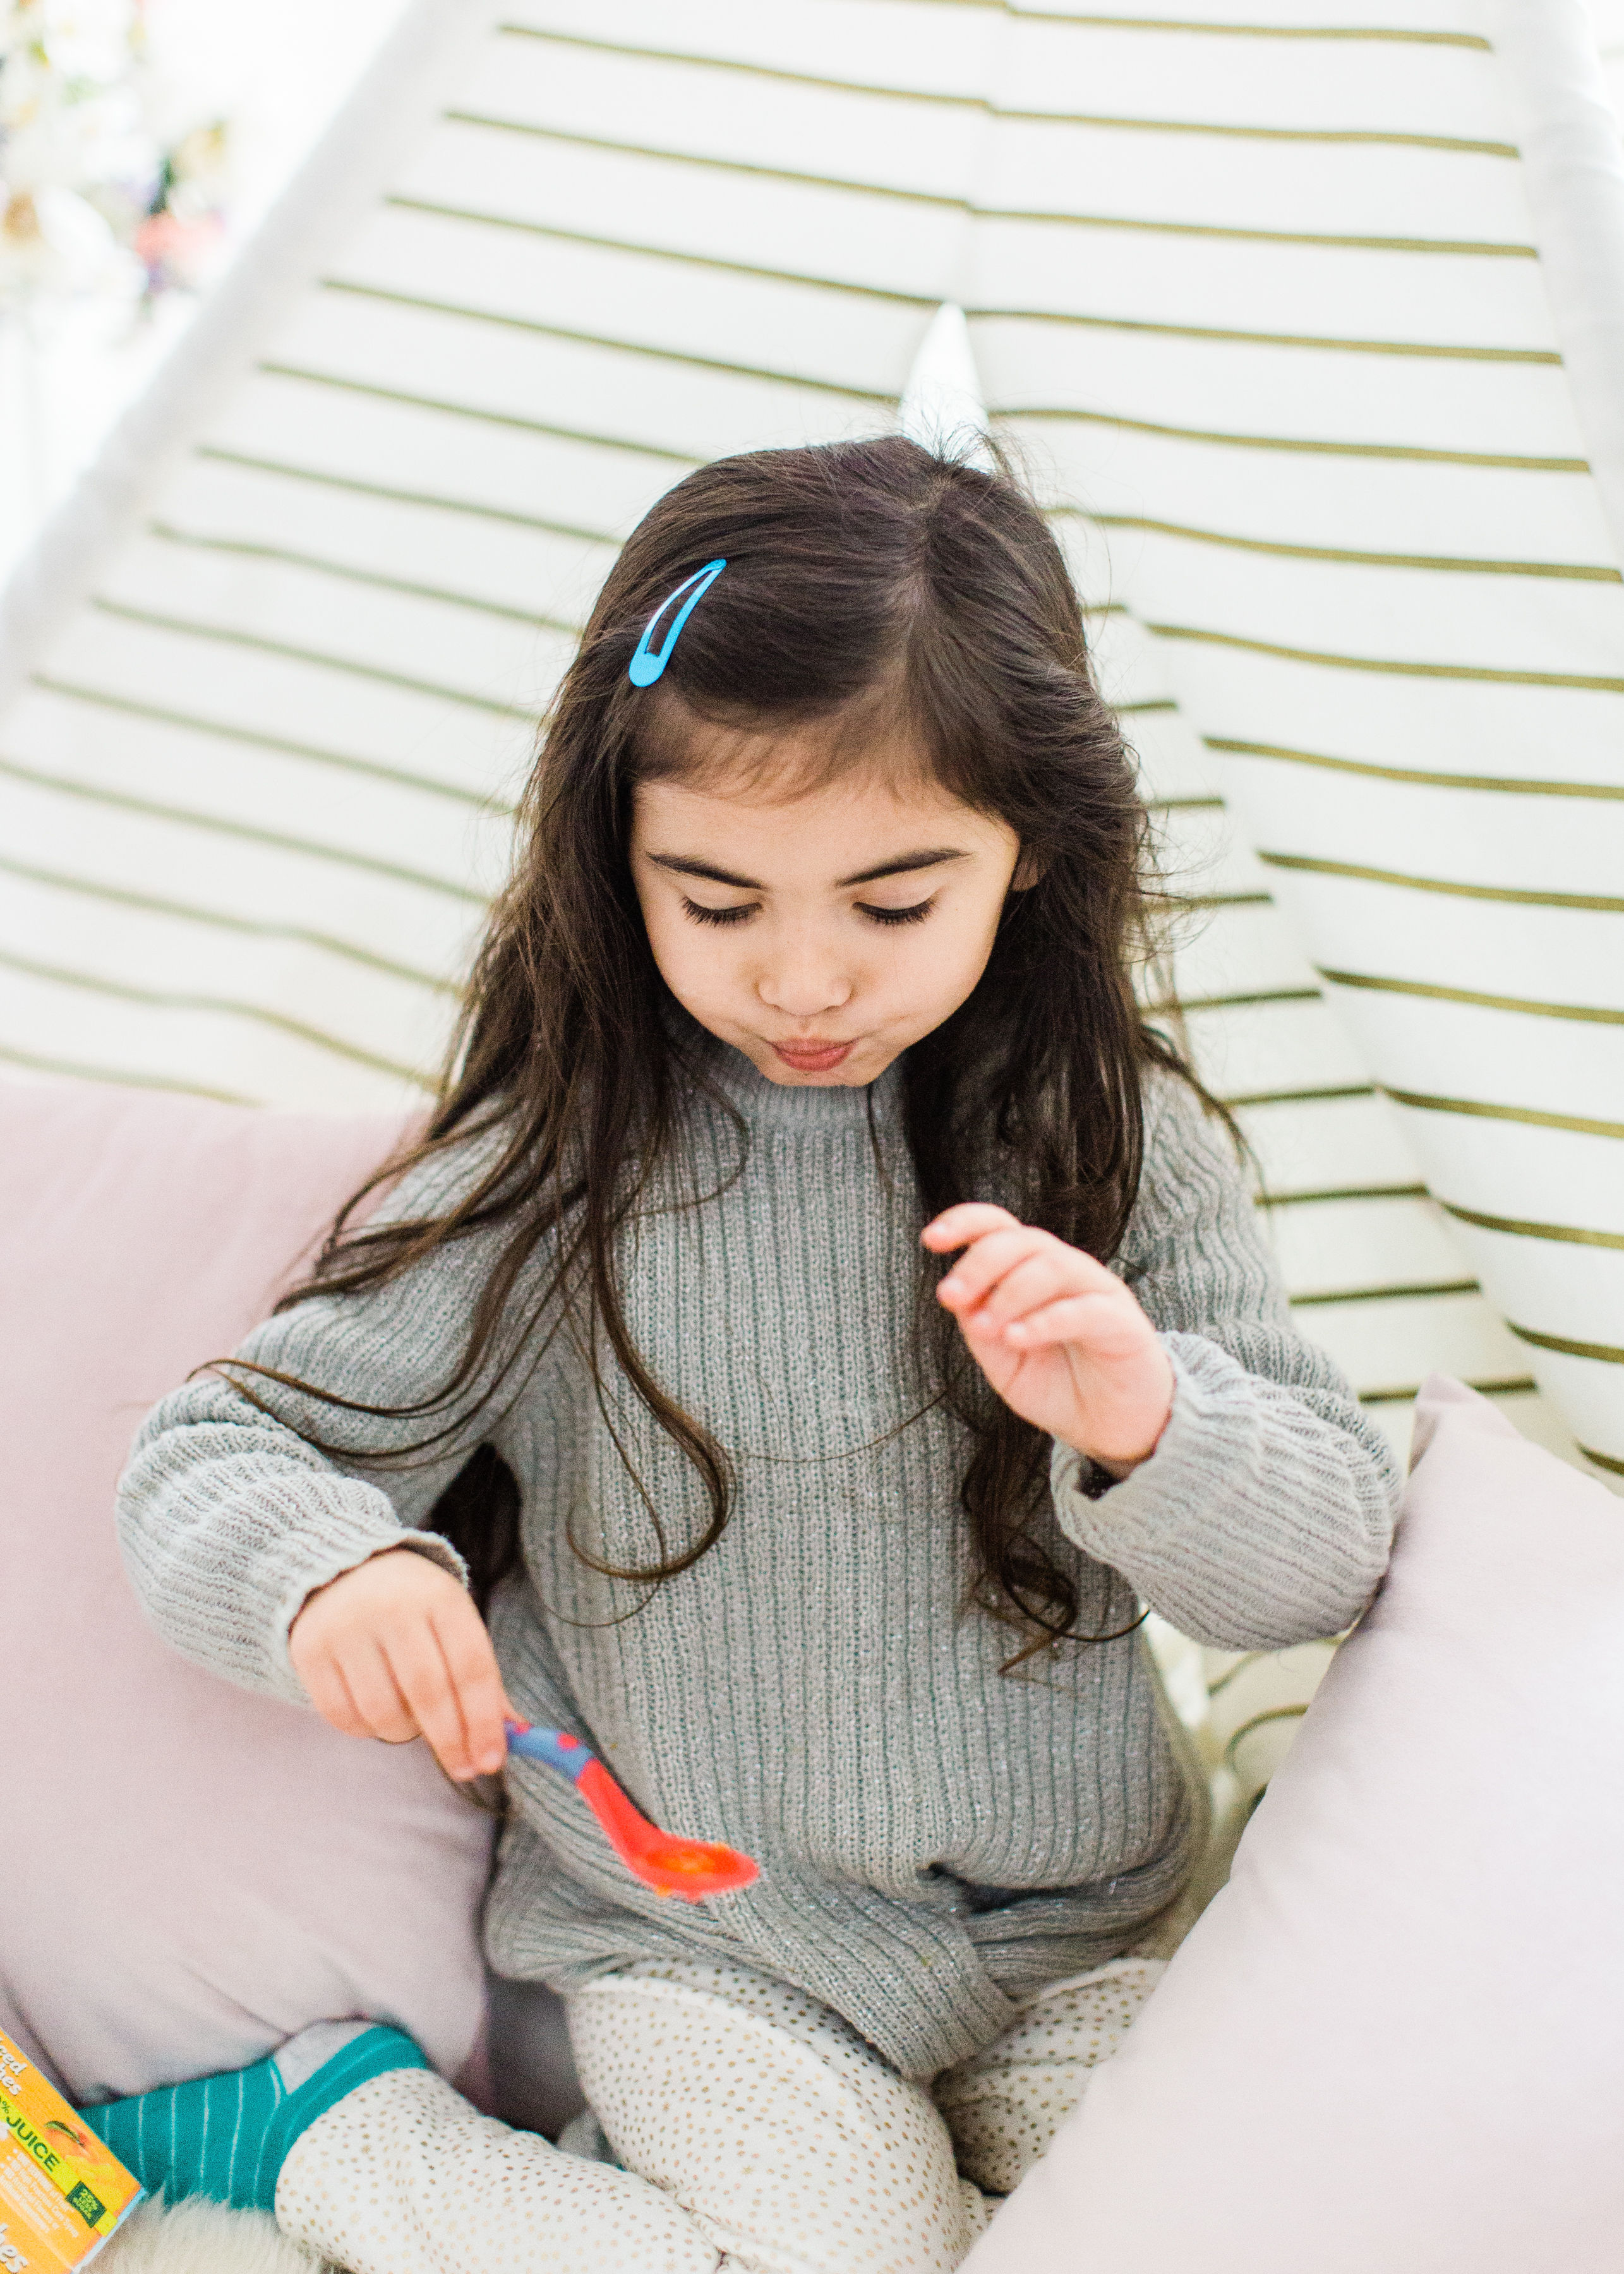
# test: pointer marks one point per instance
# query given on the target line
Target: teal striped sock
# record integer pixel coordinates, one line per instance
(227, 2137)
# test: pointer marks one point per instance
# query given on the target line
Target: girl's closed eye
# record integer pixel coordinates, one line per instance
(915, 913)
(734, 914)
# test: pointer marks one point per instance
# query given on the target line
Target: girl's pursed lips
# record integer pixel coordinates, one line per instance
(816, 1054)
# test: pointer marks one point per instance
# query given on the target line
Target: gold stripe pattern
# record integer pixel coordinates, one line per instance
(461, 410)
(1591, 1013)
(248, 927)
(1137, 224)
(1267, 1200)
(1384, 1294)
(166, 1000)
(397, 777)
(1460, 247)
(1262, 339)
(1502, 1388)
(1513, 784)
(946, 98)
(1365, 136)
(77, 1071)
(1526, 1231)
(1533, 1117)
(1407, 452)
(1609, 904)
(1233, 1002)
(1482, 673)
(310, 848)
(1239, 1100)
(534, 326)
(1565, 1347)
(281, 556)
(1259, 1721)
(1389, 33)
(1451, 563)
(714, 261)
(718, 265)
(354, 487)
(262, 646)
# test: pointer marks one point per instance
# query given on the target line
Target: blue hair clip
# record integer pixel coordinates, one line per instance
(646, 667)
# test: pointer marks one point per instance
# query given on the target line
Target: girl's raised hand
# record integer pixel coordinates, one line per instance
(1060, 1338)
(395, 1649)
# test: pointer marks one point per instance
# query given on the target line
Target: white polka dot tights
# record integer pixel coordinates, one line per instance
(760, 2135)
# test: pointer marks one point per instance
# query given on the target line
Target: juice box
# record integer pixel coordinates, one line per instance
(62, 2193)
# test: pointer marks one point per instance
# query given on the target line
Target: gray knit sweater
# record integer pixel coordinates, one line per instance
(935, 1838)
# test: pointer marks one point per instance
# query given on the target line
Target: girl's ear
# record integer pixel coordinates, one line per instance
(1028, 871)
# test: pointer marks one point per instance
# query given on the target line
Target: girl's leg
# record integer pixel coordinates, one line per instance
(363, 2153)
(765, 2125)
(405, 2177)
(792, 2145)
(1005, 2104)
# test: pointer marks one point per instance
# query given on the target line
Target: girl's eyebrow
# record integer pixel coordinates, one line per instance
(899, 867)
(685, 868)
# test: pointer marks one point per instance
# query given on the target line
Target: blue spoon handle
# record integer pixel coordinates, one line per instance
(556, 1747)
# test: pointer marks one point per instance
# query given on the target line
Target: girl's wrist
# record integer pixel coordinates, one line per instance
(1117, 1465)
(1113, 1465)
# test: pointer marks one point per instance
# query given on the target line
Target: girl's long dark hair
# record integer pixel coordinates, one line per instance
(866, 582)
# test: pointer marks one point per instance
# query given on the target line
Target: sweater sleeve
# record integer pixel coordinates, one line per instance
(1264, 1515)
(229, 1519)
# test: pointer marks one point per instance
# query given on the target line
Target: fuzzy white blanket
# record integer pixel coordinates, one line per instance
(203, 2238)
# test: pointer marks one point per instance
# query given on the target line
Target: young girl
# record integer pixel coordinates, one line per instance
(818, 948)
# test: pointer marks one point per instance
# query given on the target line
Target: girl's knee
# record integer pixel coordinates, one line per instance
(788, 2139)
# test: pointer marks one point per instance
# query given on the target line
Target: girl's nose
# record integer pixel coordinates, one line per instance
(803, 989)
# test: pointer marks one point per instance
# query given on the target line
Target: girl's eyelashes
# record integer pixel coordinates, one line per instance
(916, 913)
(728, 916)
(737, 913)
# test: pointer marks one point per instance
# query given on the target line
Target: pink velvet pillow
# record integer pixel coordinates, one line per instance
(189, 1874)
(1395, 2040)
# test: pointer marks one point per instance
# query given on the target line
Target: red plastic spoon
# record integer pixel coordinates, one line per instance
(671, 1865)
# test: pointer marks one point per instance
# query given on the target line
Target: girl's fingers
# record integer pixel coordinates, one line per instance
(1101, 1321)
(394, 1648)
(361, 1726)
(1030, 1280)
(329, 1694)
(985, 1264)
(470, 1663)
(969, 1220)
(371, 1681)
(419, 1664)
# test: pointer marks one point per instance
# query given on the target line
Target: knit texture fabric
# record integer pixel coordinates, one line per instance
(936, 1839)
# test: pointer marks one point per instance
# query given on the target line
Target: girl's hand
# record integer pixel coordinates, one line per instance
(1059, 1337)
(394, 1649)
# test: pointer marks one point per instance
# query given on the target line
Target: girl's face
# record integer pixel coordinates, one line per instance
(823, 932)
